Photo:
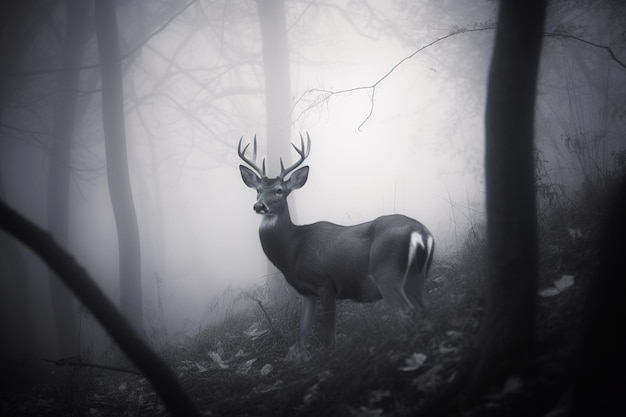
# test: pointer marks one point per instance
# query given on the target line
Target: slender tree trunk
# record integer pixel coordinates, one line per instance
(117, 163)
(277, 78)
(277, 75)
(59, 170)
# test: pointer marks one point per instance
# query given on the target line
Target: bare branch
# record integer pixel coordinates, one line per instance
(327, 94)
(595, 45)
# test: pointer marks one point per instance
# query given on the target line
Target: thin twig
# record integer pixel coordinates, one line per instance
(78, 363)
(265, 313)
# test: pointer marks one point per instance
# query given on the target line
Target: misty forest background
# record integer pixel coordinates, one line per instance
(118, 134)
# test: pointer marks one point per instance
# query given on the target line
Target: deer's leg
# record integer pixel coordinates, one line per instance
(392, 289)
(327, 298)
(414, 285)
(298, 352)
(390, 276)
(306, 318)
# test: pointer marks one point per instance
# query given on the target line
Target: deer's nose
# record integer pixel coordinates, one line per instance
(260, 208)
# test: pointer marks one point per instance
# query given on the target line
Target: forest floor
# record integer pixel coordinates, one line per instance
(380, 366)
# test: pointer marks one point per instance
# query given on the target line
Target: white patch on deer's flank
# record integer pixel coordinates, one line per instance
(416, 239)
(429, 248)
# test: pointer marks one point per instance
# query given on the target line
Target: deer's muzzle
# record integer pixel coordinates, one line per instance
(260, 208)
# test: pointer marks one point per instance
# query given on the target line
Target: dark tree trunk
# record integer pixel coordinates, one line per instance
(598, 386)
(59, 169)
(117, 163)
(507, 335)
(506, 338)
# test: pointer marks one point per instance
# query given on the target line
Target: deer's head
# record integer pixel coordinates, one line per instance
(272, 192)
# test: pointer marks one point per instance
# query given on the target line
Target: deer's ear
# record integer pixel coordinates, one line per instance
(251, 179)
(298, 178)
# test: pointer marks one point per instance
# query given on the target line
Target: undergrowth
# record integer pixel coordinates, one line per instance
(381, 365)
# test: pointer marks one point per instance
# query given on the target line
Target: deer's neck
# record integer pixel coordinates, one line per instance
(278, 238)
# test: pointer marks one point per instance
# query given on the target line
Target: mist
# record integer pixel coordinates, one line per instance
(392, 94)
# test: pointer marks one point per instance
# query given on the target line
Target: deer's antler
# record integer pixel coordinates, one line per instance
(303, 152)
(252, 163)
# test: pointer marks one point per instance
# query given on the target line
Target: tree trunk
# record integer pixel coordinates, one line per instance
(598, 384)
(507, 335)
(117, 163)
(277, 78)
(506, 338)
(277, 75)
(59, 169)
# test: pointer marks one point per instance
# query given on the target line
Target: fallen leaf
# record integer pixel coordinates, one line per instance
(266, 369)
(549, 292)
(560, 285)
(245, 367)
(218, 360)
(564, 283)
(254, 332)
(200, 367)
(413, 362)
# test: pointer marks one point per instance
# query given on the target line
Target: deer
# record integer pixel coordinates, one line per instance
(387, 258)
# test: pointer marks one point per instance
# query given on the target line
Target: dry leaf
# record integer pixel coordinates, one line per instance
(413, 362)
(218, 360)
(245, 367)
(200, 367)
(253, 331)
(564, 283)
(560, 285)
(267, 368)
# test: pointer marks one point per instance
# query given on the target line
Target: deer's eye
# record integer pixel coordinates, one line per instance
(279, 191)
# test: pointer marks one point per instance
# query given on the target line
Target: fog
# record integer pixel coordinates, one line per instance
(389, 134)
